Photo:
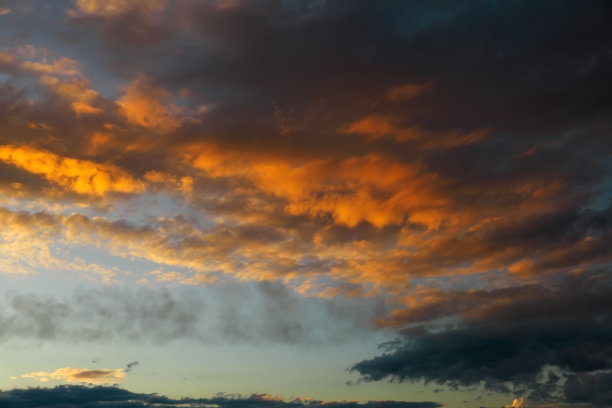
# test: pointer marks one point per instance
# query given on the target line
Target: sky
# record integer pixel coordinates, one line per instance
(306, 204)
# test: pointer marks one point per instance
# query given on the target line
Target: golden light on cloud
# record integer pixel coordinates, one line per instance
(84, 375)
(371, 188)
(82, 107)
(76, 91)
(144, 104)
(60, 66)
(79, 176)
(376, 127)
(517, 403)
(109, 8)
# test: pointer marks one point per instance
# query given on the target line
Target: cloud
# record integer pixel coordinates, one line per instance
(517, 403)
(429, 154)
(377, 127)
(5, 11)
(60, 66)
(11, 60)
(69, 374)
(79, 176)
(159, 316)
(372, 188)
(236, 313)
(124, 26)
(76, 92)
(61, 76)
(403, 190)
(114, 397)
(407, 91)
(130, 365)
(143, 104)
(505, 336)
(115, 7)
(592, 388)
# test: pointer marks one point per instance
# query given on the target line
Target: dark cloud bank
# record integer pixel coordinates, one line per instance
(553, 343)
(113, 397)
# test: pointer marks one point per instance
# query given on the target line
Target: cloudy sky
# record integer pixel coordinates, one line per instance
(305, 204)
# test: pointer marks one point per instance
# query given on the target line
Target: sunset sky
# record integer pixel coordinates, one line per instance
(306, 203)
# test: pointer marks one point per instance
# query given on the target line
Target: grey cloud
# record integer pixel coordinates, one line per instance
(249, 312)
(275, 312)
(102, 315)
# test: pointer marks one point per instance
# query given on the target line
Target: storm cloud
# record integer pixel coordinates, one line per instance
(508, 337)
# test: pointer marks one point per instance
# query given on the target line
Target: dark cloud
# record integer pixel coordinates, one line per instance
(593, 388)
(486, 56)
(324, 64)
(114, 397)
(506, 336)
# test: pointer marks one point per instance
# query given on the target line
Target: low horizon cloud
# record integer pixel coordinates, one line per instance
(114, 397)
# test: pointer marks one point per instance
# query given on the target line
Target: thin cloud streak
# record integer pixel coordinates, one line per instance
(82, 375)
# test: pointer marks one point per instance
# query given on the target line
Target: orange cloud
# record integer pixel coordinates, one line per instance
(378, 127)
(69, 374)
(60, 66)
(371, 188)
(183, 184)
(99, 140)
(143, 105)
(76, 91)
(517, 403)
(79, 176)
(110, 8)
(407, 91)
(82, 107)
(13, 58)
(26, 242)
(7, 60)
